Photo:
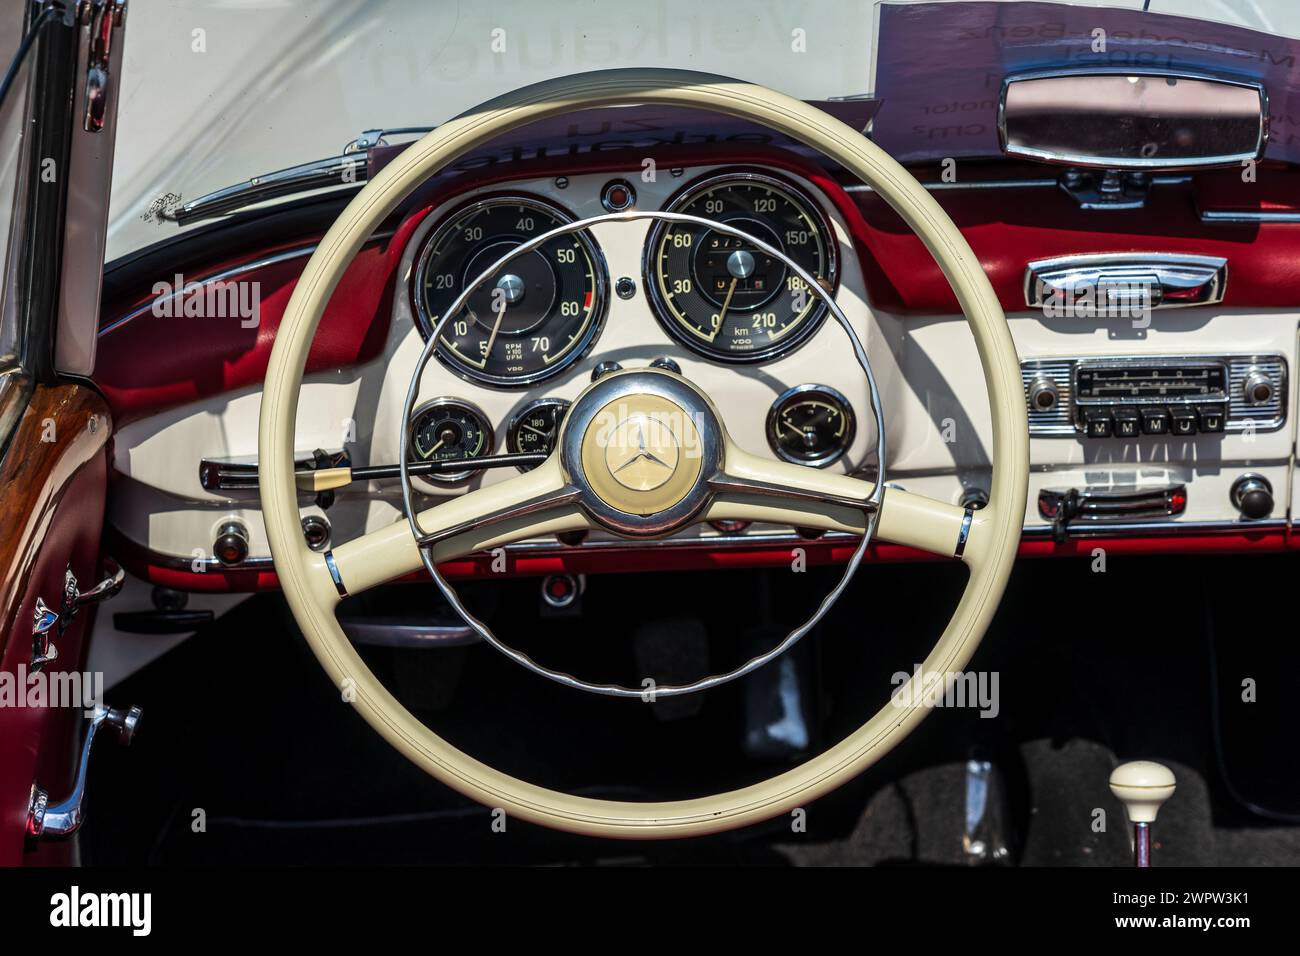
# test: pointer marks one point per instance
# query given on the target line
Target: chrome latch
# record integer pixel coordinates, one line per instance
(103, 17)
(45, 620)
(1106, 188)
(43, 649)
(74, 599)
(65, 817)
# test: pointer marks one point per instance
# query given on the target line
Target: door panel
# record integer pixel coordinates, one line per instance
(53, 475)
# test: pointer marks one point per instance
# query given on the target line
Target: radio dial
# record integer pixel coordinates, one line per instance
(1258, 387)
(1043, 395)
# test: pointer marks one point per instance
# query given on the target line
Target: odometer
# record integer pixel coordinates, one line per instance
(530, 319)
(726, 298)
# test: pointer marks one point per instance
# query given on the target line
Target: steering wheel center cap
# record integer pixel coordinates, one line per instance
(642, 453)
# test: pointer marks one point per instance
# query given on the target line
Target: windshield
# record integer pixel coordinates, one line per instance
(214, 93)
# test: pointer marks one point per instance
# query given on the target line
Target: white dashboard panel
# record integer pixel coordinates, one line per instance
(937, 420)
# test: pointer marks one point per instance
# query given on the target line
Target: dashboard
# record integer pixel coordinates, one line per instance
(1178, 427)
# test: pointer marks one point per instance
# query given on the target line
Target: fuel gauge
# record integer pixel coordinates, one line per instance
(810, 425)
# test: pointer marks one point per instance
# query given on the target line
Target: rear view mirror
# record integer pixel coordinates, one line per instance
(1132, 120)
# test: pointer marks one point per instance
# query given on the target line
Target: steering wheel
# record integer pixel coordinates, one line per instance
(700, 473)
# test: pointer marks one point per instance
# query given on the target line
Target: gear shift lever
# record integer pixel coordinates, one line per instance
(1143, 787)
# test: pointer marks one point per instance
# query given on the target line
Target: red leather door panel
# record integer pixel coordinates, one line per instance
(54, 476)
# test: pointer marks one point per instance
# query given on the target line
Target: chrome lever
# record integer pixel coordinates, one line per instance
(64, 818)
(74, 600)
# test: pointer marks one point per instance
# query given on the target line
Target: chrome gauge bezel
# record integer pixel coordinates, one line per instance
(489, 437)
(600, 275)
(663, 313)
(512, 427)
(821, 461)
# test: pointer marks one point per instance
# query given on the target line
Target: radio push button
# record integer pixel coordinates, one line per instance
(1098, 422)
(1155, 421)
(1182, 421)
(1211, 418)
(1128, 423)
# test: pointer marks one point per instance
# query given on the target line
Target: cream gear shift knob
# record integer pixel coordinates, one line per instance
(1142, 786)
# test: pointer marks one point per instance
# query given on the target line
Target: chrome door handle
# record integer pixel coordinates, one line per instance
(65, 817)
(1159, 280)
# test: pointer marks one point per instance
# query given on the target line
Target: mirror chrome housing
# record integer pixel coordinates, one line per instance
(1132, 120)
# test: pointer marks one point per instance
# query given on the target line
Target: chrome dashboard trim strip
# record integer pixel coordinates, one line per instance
(761, 540)
(1262, 215)
(299, 252)
(1010, 184)
(260, 263)
(1159, 528)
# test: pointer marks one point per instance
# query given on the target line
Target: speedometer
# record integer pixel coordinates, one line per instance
(532, 318)
(725, 297)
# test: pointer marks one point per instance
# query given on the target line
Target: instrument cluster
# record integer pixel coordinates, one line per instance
(516, 298)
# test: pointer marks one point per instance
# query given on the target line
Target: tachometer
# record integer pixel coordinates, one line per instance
(532, 318)
(724, 297)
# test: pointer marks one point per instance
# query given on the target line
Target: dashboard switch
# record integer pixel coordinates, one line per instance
(1182, 421)
(231, 546)
(1098, 423)
(1128, 423)
(1155, 421)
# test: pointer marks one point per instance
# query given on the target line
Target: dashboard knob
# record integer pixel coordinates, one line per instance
(231, 546)
(1043, 394)
(316, 532)
(1252, 495)
(1257, 388)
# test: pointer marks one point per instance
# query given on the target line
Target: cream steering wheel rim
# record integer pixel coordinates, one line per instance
(313, 585)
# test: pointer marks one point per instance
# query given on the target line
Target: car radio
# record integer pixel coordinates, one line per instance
(1155, 395)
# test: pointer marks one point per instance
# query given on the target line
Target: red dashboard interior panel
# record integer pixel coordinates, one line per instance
(146, 362)
(1008, 228)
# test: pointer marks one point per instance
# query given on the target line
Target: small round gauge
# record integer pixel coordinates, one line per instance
(724, 297)
(533, 430)
(448, 429)
(810, 425)
(534, 316)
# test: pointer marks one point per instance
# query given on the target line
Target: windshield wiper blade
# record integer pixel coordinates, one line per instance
(348, 169)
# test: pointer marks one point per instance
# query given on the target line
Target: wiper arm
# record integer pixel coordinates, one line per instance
(346, 170)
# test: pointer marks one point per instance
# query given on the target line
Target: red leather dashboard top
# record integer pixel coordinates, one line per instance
(1008, 228)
